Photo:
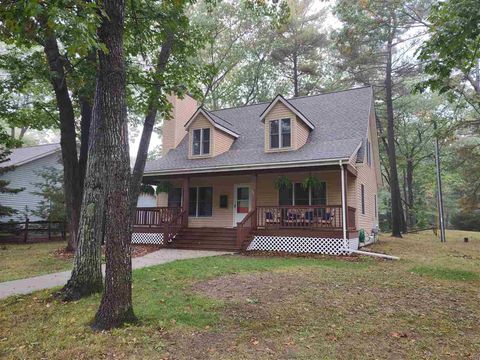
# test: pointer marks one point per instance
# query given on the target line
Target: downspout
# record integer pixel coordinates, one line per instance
(344, 211)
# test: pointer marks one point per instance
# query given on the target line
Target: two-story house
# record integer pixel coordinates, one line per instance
(297, 175)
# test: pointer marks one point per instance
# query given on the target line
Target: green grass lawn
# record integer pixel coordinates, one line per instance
(233, 307)
(19, 261)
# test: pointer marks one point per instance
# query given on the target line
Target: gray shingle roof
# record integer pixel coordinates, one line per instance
(24, 155)
(340, 120)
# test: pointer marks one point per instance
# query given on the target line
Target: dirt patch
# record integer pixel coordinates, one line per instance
(254, 287)
(137, 251)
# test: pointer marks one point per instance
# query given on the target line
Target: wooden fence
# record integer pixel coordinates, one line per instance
(32, 231)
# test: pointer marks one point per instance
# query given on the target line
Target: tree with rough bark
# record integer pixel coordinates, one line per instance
(109, 109)
(373, 46)
(169, 46)
(59, 51)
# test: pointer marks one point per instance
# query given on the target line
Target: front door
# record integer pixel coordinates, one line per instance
(241, 202)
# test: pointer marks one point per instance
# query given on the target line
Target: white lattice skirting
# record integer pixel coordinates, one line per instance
(147, 238)
(329, 246)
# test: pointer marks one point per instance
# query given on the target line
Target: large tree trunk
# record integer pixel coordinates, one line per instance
(86, 276)
(116, 305)
(398, 221)
(68, 141)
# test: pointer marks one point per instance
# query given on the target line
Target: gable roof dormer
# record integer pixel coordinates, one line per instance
(208, 135)
(293, 109)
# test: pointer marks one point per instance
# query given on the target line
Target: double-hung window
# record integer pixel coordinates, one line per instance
(298, 195)
(200, 201)
(201, 142)
(280, 133)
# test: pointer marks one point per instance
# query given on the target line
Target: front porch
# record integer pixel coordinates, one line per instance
(237, 209)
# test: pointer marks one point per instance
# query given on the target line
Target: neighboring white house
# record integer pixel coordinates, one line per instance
(29, 162)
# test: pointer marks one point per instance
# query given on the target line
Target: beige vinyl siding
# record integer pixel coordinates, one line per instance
(302, 133)
(367, 175)
(219, 141)
(299, 130)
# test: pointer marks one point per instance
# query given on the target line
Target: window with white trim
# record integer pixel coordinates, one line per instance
(280, 134)
(200, 202)
(298, 195)
(201, 142)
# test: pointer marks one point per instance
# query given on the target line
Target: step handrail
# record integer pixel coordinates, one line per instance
(245, 227)
(174, 226)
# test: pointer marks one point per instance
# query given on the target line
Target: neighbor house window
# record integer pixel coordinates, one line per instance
(201, 142)
(297, 195)
(362, 195)
(175, 197)
(200, 201)
(369, 153)
(280, 133)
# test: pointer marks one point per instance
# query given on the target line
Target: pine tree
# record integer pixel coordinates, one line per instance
(4, 184)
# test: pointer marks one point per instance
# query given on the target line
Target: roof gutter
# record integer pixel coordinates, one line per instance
(282, 165)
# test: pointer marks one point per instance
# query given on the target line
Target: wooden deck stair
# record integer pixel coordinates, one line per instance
(205, 239)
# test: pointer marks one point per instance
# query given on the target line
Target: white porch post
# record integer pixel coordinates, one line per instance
(344, 210)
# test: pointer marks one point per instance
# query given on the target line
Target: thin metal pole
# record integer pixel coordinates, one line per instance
(439, 187)
(344, 214)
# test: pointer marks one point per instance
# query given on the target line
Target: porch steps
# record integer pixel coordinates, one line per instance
(205, 239)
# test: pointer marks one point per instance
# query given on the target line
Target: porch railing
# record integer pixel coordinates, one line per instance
(246, 226)
(155, 216)
(314, 217)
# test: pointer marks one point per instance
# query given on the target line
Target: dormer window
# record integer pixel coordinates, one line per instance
(280, 134)
(201, 142)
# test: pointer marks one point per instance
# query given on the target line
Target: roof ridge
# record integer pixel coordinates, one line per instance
(292, 98)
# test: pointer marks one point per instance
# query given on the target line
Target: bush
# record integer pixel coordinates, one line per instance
(466, 221)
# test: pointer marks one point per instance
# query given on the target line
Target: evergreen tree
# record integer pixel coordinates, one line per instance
(4, 184)
(298, 46)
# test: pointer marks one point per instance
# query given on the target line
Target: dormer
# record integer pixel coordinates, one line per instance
(286, 128)
(208, 135)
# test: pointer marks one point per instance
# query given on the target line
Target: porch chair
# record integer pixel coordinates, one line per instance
(327, 218)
